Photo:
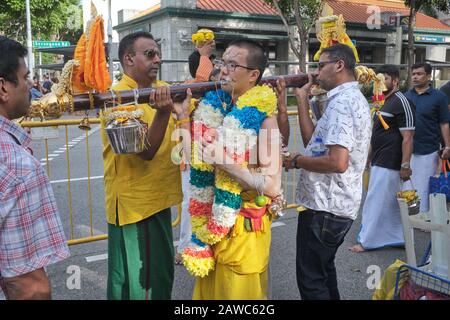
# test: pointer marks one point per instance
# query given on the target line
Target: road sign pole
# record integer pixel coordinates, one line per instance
(40, 63)
(29, 40)
(399, 42)
(110, 42)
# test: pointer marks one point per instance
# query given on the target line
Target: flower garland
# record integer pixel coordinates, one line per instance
(123, 113)
(215, 196)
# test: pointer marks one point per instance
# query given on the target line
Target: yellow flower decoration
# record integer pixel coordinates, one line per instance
(262, 97)
(202, 35)
(198, 267)
(193, 105)
(199, 228)
(225, 182)
(196, 163)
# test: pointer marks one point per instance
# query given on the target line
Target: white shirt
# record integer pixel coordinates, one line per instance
(345, 122)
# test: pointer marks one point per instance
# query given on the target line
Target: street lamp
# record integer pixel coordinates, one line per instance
(29, 40)
(110, 42)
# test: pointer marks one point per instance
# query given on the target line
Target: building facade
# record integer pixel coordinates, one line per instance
(375, 26)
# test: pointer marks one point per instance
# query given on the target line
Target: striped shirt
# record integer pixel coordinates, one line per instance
(399, 113)
(31, 233)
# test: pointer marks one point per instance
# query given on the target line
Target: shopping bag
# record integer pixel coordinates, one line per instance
(440, 183)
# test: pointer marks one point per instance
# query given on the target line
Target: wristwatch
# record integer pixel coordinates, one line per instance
(405, 165)
(294, 162)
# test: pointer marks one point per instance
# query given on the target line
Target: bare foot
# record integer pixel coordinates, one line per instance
(357, 248)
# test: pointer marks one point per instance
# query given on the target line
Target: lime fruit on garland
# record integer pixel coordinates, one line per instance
(177, 157)
(261, 201)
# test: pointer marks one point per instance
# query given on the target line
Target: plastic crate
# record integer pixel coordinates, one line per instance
(423, 277)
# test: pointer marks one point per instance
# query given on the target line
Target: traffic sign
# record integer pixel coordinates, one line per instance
(430, 38)
(50, 44)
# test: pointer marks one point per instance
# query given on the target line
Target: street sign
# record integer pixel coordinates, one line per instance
(430, 38)
(50, 44)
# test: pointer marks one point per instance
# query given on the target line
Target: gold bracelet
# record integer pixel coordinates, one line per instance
(185, 120)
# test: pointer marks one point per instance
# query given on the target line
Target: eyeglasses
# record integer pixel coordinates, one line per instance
(231, 66)
(322, 64)
(151, 53)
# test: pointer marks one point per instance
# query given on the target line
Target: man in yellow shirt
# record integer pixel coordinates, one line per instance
(141, 188)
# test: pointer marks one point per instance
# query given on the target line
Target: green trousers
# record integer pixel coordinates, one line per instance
(140, 259)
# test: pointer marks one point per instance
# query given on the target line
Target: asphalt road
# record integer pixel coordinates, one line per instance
(89, 261)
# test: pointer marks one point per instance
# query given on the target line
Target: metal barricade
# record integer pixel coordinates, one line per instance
(66, 123)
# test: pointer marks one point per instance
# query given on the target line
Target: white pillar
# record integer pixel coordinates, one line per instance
(110, 42)
(40, 63)
(29, 39)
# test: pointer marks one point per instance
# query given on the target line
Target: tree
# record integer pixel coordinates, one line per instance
(50, 19)
(414, 7)
(302, 13)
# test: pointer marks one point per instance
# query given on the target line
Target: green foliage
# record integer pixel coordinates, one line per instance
(302, 14)
(50, 19)
(440, 5)
(308, 10)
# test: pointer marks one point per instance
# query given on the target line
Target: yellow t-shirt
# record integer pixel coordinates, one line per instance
(138, 187)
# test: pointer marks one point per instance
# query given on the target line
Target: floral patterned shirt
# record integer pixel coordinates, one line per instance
(345, 122)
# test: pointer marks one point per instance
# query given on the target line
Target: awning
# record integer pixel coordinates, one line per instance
(66, 51)
(69, 51)
(56, 66)
(232, 36)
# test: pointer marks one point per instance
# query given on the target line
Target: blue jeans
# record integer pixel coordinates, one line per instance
(319, 235)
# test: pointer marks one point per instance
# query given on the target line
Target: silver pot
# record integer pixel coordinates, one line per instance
(127, 137)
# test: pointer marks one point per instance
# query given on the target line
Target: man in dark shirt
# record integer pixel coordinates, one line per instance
(47, 85)
(446, 89)
(390, 155)
(432, 117)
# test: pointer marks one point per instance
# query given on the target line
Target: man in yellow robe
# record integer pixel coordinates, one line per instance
(242, 256)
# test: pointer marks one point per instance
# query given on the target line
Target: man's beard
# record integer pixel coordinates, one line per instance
(389, 90)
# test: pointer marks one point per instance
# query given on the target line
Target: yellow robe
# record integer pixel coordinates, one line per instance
(242, 261)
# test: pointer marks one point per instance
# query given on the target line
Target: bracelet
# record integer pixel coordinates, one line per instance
(184, 120)
(405, 165)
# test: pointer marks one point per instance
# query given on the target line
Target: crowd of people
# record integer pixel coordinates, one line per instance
(40, 88)
(141, 189)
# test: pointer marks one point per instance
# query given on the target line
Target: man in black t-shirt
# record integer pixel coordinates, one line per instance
(390, 154)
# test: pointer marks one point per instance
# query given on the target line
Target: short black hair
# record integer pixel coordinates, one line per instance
(392, 70)
(194, 62)
(10, 53)
(126, 44)
(344, 53)
(426, 66)
(256, 58)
